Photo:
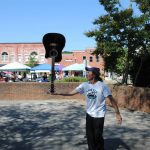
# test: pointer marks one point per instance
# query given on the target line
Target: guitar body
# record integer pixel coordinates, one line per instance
(54, 44)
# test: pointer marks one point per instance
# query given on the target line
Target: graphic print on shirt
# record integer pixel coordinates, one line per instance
(91, 94)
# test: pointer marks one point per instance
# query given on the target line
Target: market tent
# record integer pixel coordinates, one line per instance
(15, 66)
(41, 68)
(74, 67)
(45, 68)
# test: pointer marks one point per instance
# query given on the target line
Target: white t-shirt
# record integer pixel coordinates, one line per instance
(95, 95)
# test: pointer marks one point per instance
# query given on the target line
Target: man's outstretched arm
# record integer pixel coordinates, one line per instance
(74, 92)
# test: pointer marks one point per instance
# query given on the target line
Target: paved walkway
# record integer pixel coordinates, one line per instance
(60, 125)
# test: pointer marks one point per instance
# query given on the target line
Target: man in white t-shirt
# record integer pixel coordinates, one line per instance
(96, 92)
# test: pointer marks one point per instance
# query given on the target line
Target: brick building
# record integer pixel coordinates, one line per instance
(20, 52)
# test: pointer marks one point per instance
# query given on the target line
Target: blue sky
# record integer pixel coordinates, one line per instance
(28, 20)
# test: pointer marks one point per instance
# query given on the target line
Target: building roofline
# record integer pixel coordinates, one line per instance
(78, 51)
(22, 43)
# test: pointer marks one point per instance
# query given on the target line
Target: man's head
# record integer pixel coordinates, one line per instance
(92, 73)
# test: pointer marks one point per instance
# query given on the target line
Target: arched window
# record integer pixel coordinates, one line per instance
(34, 54)
(4, 56)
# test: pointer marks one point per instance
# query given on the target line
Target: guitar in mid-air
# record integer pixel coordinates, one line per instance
(54, 44)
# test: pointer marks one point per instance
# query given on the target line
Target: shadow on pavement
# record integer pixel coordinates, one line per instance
(115, 143)
(40, 128)
(58, 126)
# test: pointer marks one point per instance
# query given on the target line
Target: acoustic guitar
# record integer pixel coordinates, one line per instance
(54, 44)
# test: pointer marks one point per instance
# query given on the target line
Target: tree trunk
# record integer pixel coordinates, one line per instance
(126, 70)
(125, 74)
(138, 72)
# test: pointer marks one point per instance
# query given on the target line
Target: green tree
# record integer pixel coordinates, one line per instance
(144, 5)
(32, 61)
(120, 37)
(141, 65)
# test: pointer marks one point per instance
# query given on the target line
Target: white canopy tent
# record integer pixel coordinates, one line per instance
(74, 67)
(15, 66)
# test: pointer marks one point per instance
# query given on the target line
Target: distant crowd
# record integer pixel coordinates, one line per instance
(34, 77)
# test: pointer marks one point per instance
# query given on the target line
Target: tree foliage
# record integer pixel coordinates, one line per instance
(32, 61)
(121, 36)
(144, 6)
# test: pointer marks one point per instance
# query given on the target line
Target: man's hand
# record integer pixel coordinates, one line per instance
(118, 118)
(53, 93)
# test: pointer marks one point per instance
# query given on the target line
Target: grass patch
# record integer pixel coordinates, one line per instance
(73, 79)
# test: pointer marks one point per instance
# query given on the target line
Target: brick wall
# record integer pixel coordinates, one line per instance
(33, 91)
(20, 52)
(134, 98)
